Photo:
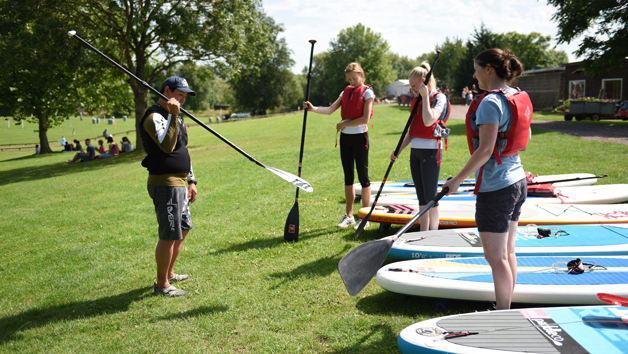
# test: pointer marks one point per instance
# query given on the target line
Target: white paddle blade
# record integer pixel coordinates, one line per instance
(297, 181)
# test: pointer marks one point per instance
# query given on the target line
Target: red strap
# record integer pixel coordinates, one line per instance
(478, 181)
(498, 158)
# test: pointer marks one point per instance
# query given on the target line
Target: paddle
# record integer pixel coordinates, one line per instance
(358, 267)
(613, 299)
(291, 230)
(392, 162)
(569, 179)
(297, 181)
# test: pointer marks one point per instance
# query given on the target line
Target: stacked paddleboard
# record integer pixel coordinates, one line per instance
(540, 280)
(563, 240)
(598, 194)
(576, 179)
(462, 214)
(560, 330)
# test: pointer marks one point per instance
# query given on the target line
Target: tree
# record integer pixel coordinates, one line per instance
(533, 50)
(152, 37)
(359, 44)
(320, 91)
(482, 39)
(39, 80)
(403, 65)
(603, 49)
(452, 54)
(269, 84)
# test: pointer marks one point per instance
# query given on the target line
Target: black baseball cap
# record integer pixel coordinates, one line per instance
(175, 82)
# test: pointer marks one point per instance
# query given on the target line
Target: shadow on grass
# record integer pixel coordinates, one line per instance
(60, 168)
(197, 312)
(319, 268)
(387, 343)
(268, 243)
(10, 327)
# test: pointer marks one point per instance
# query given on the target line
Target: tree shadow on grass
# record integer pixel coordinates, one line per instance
(319, 268)
(387, 343)
(10, 327)
(33, 173)
(268, 243)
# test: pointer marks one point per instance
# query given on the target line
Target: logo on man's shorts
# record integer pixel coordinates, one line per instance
(170, 215)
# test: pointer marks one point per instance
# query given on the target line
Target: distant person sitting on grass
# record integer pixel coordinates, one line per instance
(113, 149)
(63, 141)
(68, 147)
(77, 146)
(37, 149)
(87, 155)
(101, 146)
(126, 145)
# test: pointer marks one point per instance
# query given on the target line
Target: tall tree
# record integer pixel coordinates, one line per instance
(482, 39)
(359, 44)
(40, 82)
(403, 65)
(269, 84)
(604, 47)
(533, 49)
(151, 37)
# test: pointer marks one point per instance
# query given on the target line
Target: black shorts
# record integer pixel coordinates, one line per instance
(495, 210)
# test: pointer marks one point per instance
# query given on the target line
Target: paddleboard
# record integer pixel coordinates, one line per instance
(408, 186)
(538, 282)
(568, 240)
(559, 330)
(598, 194)
(462, 214)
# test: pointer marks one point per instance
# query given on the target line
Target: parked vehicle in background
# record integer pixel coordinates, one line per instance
(596, 110)
(240, 115)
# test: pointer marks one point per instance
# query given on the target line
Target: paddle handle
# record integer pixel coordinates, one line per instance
(570, 179)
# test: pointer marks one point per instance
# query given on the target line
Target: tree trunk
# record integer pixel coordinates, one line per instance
(140, 94)
(43, 132)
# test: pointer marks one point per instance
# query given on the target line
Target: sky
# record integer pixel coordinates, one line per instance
(410, 27)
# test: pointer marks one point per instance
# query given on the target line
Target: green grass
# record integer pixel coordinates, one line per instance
(78, 244)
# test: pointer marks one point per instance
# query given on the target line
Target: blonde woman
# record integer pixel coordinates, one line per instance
(356, 104)
(425, 154)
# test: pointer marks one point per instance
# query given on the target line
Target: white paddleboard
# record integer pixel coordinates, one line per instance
(462, 214)
(598, 194)
(568, 240)
(537, 280)
(558, 330)
(408, 186)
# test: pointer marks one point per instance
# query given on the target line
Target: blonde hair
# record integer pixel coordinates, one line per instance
(421, 71)
(354, 67)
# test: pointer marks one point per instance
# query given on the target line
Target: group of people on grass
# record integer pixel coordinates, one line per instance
(501, 184)
(89, 154)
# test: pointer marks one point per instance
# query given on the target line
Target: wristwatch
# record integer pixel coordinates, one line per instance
(192, 182)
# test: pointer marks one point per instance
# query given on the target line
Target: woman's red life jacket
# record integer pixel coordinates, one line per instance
(514, 139)
(419, 130)
(353, 102)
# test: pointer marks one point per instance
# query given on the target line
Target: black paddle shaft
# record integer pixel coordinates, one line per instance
(392, 162)
(291, 229)
(358, 267)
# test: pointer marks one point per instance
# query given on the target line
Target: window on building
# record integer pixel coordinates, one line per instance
(612, 89)
(576, 89)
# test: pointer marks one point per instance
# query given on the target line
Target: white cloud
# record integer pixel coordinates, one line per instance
(411, 27)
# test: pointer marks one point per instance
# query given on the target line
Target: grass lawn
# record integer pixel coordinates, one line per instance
(78, 243)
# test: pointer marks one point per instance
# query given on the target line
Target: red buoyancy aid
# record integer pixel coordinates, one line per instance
(353, 102)
(419, 130)
(516, 137)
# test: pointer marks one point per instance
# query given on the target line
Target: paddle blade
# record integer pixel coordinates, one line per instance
(297, 181)
(363, 223)
(291, 230)
(613, 299)
(358, 267)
